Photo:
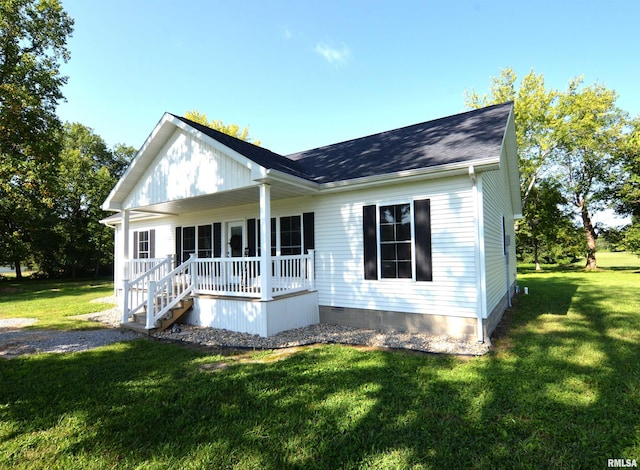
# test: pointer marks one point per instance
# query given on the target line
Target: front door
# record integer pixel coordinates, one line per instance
(236, 239)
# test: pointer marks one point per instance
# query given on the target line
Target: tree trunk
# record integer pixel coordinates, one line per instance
(16, 263)
(590, 234)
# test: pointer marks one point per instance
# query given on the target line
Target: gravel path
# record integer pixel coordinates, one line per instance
(15, 341)
(326, 334)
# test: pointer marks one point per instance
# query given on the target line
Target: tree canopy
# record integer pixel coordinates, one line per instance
(33, 37)
(569, 139)
(229, 129)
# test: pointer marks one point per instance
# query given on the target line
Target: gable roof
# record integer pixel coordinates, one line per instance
(449, 144)
(467, 137)
(260, 155)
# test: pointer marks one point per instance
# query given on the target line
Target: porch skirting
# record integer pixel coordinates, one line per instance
(254, 316)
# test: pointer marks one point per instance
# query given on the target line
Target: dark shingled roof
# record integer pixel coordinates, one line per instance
(262, 156)
(466, 137)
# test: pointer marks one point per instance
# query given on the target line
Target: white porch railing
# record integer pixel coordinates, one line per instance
(240, 277)
(160, 288)
(135, 290)
(139, 266)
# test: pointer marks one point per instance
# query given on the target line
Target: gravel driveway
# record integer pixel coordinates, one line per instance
(16, 341)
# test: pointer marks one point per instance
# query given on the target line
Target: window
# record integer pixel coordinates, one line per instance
(395, 241)
(296, 234)
(290, 235)
(188, 242)
(204, 241)
(143, 244)
(390, 235)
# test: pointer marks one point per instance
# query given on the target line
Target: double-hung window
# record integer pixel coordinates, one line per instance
(143, 244)
(290, 235)
(397, 241)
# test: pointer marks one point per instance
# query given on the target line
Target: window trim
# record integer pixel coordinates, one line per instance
(149, 253)
(372, 241)
(411, 243)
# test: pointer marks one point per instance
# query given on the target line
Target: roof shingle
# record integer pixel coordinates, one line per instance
(465, 137)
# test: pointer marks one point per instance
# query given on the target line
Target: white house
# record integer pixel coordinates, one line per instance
(410, 229)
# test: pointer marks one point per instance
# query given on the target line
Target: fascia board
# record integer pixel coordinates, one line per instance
(271, 176)
(442, 171)
(511, 158)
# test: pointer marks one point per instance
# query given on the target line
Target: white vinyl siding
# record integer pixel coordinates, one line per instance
(339, 246)
(339, 251)
(187, 167)
(497, 204)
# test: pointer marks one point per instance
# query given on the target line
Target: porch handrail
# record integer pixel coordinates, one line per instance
(235, 276)
(166, 293)
(135, 290)
(140, 266)
(240, 277)
(160, 289)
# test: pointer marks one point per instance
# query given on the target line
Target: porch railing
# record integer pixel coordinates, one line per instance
(160, 288)
(240, 277)
(135, 290)
(138, 267)
(166, 293)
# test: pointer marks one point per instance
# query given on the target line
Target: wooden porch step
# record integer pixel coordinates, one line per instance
(138, 321)
(176, 312)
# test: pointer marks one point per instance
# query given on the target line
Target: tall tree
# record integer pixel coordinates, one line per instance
(88, 171)
(589, 129)
(628, 188)
(534, 112)
(546, 227)
(229, 129)
(33, 35)
(570, 135)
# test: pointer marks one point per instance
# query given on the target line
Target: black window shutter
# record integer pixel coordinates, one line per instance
(135, 245)
(178, 246)
(370, 242)
(422, 216)
(273, 236)
(217, 240)
(308, 228)
(152, 243)
(251, 236)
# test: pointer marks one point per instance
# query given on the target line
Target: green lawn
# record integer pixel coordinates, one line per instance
(53, 302)
(560, 390)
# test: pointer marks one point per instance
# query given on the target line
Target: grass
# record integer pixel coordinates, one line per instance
(53, 303)
(560, 390)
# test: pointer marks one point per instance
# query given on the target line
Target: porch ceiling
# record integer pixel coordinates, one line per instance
(237, 197)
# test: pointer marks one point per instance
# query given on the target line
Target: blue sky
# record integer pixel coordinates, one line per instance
(302, 74)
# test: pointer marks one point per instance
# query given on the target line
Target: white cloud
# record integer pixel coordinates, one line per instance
(333, 55)
(286, 33)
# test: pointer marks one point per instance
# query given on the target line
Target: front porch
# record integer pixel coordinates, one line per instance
(230, 293)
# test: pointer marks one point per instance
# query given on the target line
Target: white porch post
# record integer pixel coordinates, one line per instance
(126, 270)
(265, 242)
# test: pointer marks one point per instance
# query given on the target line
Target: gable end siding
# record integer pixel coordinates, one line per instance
(187, 167)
